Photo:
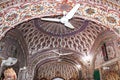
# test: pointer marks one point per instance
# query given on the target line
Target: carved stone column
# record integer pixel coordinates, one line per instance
(26, 74)
(22, 75)
(30, 73)
(90, 72)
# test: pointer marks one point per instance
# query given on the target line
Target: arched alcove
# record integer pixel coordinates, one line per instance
(12, 45)
(58, 69)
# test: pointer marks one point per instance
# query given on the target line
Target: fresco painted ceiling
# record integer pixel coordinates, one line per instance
(14, 12)
(93, 18)
(112, 1)
(41, 35)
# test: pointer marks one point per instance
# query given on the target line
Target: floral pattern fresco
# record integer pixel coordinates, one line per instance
(16, 14)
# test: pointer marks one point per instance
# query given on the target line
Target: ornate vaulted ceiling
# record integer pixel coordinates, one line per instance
(44, 35)
(103, 12)
(94, 21)
(90, 21)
